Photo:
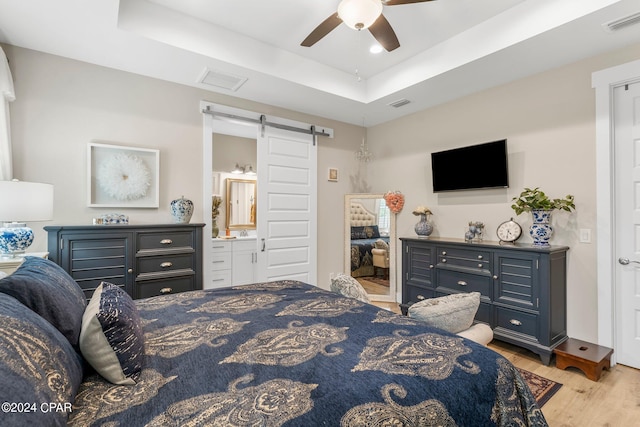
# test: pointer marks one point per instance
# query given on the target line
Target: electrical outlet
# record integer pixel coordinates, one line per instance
(585, 235)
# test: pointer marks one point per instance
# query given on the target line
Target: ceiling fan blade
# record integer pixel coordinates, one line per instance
(397, 2)
(322, 30)
(384, 34)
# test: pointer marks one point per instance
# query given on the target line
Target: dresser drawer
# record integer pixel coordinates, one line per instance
(517, 321)
(221, 278)
(155, 240)
(450, 280)
(416, 294)
(152, 288)
(467, 258)
(221, 261)
(218, 245)
(165, 263)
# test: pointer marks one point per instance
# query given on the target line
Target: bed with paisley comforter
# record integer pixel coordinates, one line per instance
(281, 353)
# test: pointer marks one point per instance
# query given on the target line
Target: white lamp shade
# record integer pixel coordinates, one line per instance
(359, 14)
(25, 201)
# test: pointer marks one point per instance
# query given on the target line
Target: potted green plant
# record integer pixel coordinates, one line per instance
(540, 205)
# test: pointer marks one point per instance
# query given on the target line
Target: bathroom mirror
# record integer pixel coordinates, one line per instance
(370, 244)
(241, 204)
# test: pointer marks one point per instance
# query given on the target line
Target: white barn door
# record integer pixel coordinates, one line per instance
(287, 206)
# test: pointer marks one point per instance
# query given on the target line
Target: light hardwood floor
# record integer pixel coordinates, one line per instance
(613, 401)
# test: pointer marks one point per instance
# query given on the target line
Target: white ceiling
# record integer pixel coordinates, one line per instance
(449, 48)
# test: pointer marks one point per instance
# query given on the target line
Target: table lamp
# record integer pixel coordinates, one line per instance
(22, 202)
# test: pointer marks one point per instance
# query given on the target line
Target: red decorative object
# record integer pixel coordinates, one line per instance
(395, 201)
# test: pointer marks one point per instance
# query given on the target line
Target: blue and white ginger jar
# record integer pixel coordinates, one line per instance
(181, 210)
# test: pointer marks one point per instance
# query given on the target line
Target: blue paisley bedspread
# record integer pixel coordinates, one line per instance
(290, 354)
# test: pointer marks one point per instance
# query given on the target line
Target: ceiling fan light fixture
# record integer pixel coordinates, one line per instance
(359, 14)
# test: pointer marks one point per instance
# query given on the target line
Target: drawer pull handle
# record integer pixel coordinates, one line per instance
(217, 261)
(479, 265)
(495, 277)
(479, 256)
(420, 297)
(166, 241)
(164, 291)
(444, 253)
(515, 322)
(444, 260)
(217, 280)
(166, 264)
(430, 265)
(462, 283)
(130, 270)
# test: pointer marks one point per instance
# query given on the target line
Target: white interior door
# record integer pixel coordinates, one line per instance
(627, 220)
(287, 206)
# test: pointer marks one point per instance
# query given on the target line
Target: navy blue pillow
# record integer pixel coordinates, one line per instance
(47, 289)
(365, 232)
(111, 339)
(38, 367)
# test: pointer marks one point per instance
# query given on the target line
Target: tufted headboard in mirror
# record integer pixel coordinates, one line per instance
(360, 216)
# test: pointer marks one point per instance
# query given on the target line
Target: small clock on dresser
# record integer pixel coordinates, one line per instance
(509, 231)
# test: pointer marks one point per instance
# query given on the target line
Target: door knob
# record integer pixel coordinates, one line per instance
(626, 261)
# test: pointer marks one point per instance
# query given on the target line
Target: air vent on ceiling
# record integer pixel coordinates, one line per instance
(620, 23)
(399, 103)
(221, 80)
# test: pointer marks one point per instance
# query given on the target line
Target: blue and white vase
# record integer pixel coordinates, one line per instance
(181, 210)
(424, 227)
(541, 230)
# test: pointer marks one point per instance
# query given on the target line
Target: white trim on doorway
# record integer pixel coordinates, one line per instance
(604, 82)
(236, 122)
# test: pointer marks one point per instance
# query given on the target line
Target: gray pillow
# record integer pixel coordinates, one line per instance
(453, 313)
(349, 287)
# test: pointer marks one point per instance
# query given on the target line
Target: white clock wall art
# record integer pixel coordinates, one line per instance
(122, 177)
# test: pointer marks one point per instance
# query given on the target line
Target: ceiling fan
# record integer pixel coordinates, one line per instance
(360, 15)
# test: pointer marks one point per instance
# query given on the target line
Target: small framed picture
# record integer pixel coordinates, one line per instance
(333, 174)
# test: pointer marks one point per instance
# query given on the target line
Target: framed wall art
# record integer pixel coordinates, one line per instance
(122, 177)
(333, 174)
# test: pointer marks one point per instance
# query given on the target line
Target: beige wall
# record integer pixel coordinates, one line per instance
(549, 121)
(231, 150)
(61, 105)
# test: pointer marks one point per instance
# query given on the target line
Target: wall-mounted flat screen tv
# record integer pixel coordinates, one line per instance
(472, 167)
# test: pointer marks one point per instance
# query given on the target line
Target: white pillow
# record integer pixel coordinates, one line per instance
(349, 287)
(453, 313)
